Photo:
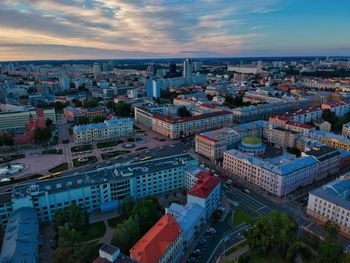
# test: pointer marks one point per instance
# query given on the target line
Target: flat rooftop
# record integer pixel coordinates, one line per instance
(117, 172)
(336, 192)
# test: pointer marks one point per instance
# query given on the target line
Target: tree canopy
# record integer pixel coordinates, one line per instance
(275, 231)
(183, 112)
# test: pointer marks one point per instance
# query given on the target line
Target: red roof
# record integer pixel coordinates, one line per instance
(156, 241)
(298, 124)
(204, 186)
(206, 137)
(170, 119)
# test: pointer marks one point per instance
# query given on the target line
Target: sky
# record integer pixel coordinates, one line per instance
(112, 29)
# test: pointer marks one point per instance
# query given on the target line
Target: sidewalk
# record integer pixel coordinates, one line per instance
(235, 255)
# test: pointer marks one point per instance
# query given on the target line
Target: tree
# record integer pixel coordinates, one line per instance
(126, 207)
(67, 236)
(42, 135)
(83, 120)
(275, 231)
(49, 123)
(77, 103)
(90, 103)
(123, 109)
(183, 112)
(6, 139)
(146, 213)
(331, 249)
(73, 215)
(98, 118)
(329, 116)
(126, 234)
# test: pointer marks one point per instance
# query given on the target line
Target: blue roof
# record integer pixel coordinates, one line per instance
(187, 215)
(85, 127)
(21, 240)
(336, 192)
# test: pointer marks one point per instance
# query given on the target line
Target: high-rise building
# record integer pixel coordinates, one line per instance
(150, 70)
(152, 88)
(64, 83)
(197, 65)
(96, 68)
(187, 68)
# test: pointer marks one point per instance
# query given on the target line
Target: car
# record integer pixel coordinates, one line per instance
(246, 191)
(172, 145)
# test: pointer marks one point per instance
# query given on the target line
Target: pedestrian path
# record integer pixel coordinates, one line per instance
(239, 252)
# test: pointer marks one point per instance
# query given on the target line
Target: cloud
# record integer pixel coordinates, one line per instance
(142, 27)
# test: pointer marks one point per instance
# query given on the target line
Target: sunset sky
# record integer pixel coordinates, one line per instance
(91, 29)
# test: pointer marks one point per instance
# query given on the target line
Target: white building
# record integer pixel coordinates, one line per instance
(113, 128)
(279, 176)
(206, 193)
(331, 203)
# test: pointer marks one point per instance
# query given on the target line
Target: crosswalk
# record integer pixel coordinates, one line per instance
(247, 202)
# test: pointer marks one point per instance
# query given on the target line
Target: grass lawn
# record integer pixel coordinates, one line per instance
(235, 248)
(53, 151)
(90, 159)
(81, 148)
(95, 230)
(113, 222)
(239, 216)
(109, 155)
(106, 144)
(59, 168)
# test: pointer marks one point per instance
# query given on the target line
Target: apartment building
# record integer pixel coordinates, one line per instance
(17, 121)
(161, 244)
(191, 217)
(331, 139)
(328, 158)
(280, 137)
(279, 175)
(340, 108)
(74, 113)
(260, 112)
(331, 203)
(212, 144)
(206, 193)
(112, 128)
(346, 130)
(102, 189)
(176, 127)
(143, 115)
(251, 129)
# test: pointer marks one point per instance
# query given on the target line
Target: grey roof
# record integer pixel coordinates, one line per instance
(336, 192)
(21, 240)
(281, 165)
(113, 173)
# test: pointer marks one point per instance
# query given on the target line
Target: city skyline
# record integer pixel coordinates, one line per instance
(106, 29)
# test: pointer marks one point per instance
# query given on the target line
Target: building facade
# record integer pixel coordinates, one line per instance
(112, 128)
(279, 176)
(331, 203)
(212, 144)
(182, 127)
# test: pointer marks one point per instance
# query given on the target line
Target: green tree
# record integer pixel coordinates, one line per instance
(331, 249)
(77, 103)
(83, 120)
(98, 118)
(275, 231)
(146, 213)
(90, 103)
(67, 236)
(126, 234)
(123, 109)
(6, 139)
(42, 135)
(73, 215)
(48, 123)
(126, 207)
(183, 112)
